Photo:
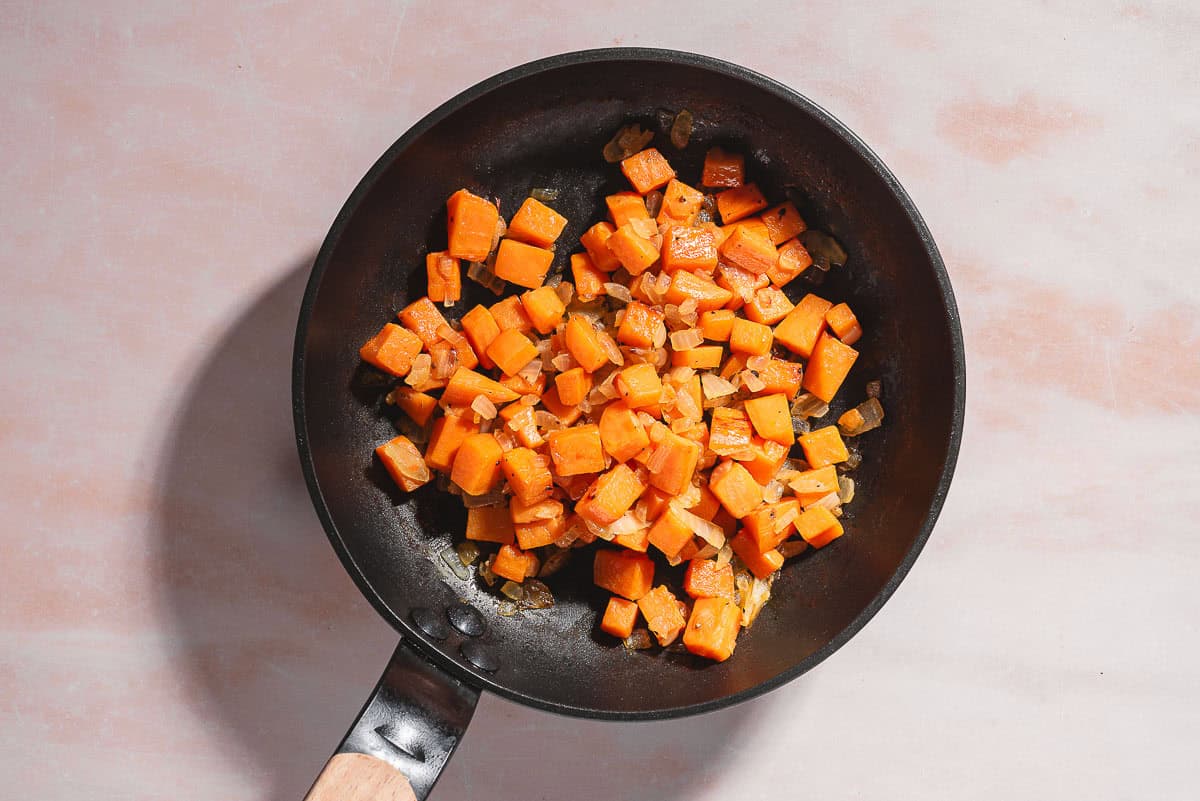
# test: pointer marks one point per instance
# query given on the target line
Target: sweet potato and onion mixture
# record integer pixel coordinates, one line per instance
(658, 406)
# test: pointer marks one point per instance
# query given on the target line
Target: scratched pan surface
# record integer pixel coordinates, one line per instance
(544, 125)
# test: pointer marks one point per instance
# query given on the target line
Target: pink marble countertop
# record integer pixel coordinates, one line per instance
(168, 175)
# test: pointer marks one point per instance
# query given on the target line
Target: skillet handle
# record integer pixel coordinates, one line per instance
(403, 737)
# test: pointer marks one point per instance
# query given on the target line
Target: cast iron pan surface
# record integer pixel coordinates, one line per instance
(544, 125)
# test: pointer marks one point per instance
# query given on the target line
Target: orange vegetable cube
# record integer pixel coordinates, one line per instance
(769, 457)
(466, 385)
(476, 467)
(781, 376)
(798, 332)
(794, 259)
(723, 169)
(828, 367)
(514, 564)
(743, 284)
(749, 251)
(459, 346)
(470, 226)
(417, 405)
(490, 524)
(653, 503)
(540, 533)
(527, 474)
(735, 488)
(818, 527)
(634, 251)
(813, 485)
(521, 421)
(522, 387)
(447, 436)
(423, 319)
(511, 351)
(626, 206)
(639, 385)
(567, 415)
(718, 324)
(771, 416)
(662, 613)
(670, 533)
(689, 249)
(621, 432)
(509, 313)
(705, 579)
(589, 279)
(619, 617)
(392, 350)
(730, 431)
(705, 357)
(784, 222)
(844, 323)
(748, 337)
(544, 308)
(752, 225)
(708, 296)
(735, 204)
(404, 463)
(444, 277)
(543, 509)
(823, 446)
(575, 451)
(583, 343)
(536, 223)
(624, 572)
(595, 242)
(675, 459)
(712, 629)
(771, 524)
(708, 505)
(760, 564)
(610, 496)
(768, 306)
(521, 264)
(639, 325)
(647, 170)
(680, 204)
(635, 540)
(573, 385)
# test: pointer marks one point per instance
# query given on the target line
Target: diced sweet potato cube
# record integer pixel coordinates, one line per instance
(813, 485)
(447, 436)
(730, 431)
(513, 564)
(689, 249)
(575, 451)
(675, 459)
(670, 533)
(768, 306)
(583, 343)
(480, 328)
(490, 524)
(610, 495)
(828, 367)
(522, 386)
(511, 351)
(510, 313)
(843, 322)
(521, 264)
(781, 376)
(705, 357)
(634, 540)
(444, 277)
(784, 222)
(621, 432)
(404, 463)
(391, 350)
(470, 226)
(712, 629)
(771, 524)
(635, 252)
(735, 204)
(639, 385)
(639, 325)
(417, 405)
(573, 385)
(749, 251)
(619, 617)
(680, 203)
(750, 338)
(823, 446)
(540, 533)
(818, 527)
(623, 572)
(794, 259)
(647, 170)
(662, 613)
(589, 279)
(723, 169)
(476, 468)
(758, 563)
(595, 242)
(708, 295)
(466, 385)
(718, 324)
(769, 457)
(522, 422)
(528, 476)
(705, 579)
(536, 223)
(567, 415)
(544, 308)
(798, 332)
(735, 488)
(626, 206)
(423, 319)
(771, 416)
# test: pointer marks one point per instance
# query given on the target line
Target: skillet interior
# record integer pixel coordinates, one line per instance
(544, 124)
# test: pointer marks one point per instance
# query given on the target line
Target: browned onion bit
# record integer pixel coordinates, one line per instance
(681, 129)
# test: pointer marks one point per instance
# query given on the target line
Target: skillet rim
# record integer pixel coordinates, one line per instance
(409, 633)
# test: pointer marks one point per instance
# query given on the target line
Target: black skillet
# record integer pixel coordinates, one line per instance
(544, 125)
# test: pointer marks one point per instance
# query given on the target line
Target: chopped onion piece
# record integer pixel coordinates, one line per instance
(772, 492)
(493, 498)
(826, 251)
(653, 203)
(845, 489)
(418, 374)
(627, 141)
(708, 552)
(544, 194)
(546, 420)
(660, 335)
(758, 363)
(450, 557)
(609, 345)
(687, 339)
(639, 640)
(468, 552)
(563, 362)
(689, 497)
(530, 400)
(681, 129)
(506, 608)
(566, 292)
(643, 227)
(874, 388)
(507, 443)
(809, 405)
(710, 532)
(618, 292)
(751, 381)
(831, 502)
(870, 417)
(714, 386)
(787, 518)
(537, 595)
(792, 548)
(530, 372)
(484, 407)
(725, 555)
(512, 590)
(485, 572)
(627, 523)
(754, 600)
